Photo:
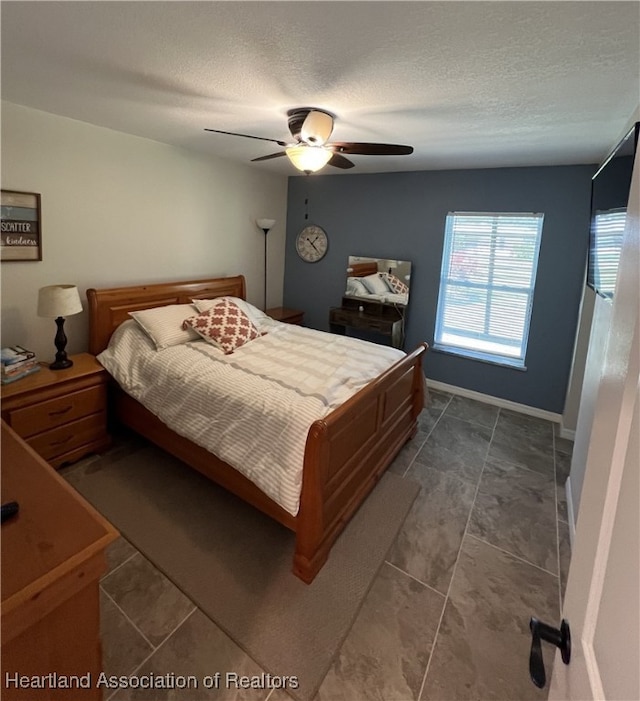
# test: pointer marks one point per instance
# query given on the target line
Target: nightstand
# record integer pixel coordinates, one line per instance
(61, 414)
(288, 316)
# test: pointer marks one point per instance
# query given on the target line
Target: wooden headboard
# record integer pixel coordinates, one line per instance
(108, 308)
(363, 269)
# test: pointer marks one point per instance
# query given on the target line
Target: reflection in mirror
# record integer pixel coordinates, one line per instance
(378, 279)
(610, 191)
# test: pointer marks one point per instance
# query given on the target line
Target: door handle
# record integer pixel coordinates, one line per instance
(561, 638)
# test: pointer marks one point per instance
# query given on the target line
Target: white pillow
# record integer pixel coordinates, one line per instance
(375, 284)
(256, 315)
(356, 287)
(163, 325)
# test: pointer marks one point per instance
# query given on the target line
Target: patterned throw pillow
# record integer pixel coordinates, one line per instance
(395, 284)
(224, 325)
(256, 315)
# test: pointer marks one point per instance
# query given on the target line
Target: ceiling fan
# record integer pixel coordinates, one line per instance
(311, 150)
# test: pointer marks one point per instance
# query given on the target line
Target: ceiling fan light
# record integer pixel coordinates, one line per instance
(316, 128)
(309, 159)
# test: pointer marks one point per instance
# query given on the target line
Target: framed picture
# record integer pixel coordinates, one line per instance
(20, 226)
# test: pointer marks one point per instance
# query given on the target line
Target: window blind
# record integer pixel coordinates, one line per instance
(487, 280)
(608, 232)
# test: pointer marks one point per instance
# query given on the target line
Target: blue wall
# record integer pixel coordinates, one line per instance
(402, 216)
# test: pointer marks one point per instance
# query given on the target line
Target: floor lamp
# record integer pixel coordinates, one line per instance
(266, 225)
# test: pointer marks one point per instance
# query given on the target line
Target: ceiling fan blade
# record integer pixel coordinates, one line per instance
(366, 149)
(340, 162)
(248, 136)
(269, 157)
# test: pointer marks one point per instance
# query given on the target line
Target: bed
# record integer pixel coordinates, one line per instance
(345, 452)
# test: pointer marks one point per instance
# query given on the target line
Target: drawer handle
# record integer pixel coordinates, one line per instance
(63, 441)
(61, 411)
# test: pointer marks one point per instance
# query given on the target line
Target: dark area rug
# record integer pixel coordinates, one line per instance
(235, 563)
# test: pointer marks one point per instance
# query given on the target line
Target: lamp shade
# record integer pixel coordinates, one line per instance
(265, 224)
(316, 128)
(59, 300)
(309, 158)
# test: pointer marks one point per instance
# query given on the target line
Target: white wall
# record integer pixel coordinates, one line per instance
(596, 355)
(118, 209)
(580, 350)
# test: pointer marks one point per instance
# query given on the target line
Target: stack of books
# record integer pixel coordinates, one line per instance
(17, 362)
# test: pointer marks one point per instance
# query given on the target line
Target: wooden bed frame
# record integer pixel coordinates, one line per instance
(346, 452)
(363, 269)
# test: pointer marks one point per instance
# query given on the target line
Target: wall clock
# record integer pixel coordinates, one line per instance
(312, 243)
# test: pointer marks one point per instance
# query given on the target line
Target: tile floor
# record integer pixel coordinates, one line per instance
(485, 547)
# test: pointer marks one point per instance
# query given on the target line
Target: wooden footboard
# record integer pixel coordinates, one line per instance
(347, 452)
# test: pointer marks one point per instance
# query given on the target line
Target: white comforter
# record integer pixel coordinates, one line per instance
(253, 408)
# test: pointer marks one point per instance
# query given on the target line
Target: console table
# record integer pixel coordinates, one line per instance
(385, 319)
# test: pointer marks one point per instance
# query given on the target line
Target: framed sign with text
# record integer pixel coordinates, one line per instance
(20, 226)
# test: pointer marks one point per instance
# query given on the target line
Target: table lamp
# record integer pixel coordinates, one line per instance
(57, 302)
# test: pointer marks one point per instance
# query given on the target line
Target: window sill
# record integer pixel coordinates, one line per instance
(480, 357)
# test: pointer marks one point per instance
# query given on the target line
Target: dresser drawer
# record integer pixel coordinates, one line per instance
(66, 438)
(380, 325)
(338, 316)
(56, 412)
(360, 321)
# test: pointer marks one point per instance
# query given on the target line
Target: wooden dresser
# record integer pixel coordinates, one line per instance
(52, 560)
(62, 414)
(383, 319)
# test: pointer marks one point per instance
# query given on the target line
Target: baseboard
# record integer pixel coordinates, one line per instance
(496, 401)
(570, 514)
(568, 433)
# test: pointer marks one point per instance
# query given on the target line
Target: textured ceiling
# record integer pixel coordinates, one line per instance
(468, 84)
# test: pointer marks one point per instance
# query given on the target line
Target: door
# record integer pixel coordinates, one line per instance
(602, 596)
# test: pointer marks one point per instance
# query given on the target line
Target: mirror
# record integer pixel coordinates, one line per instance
(378, 279)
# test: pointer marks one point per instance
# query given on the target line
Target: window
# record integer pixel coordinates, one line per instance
(486, 285)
